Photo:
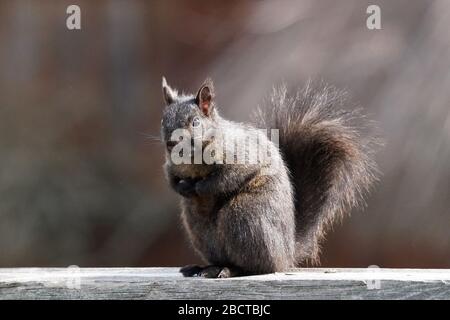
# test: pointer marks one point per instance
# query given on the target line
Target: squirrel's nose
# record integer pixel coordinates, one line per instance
(170, 145)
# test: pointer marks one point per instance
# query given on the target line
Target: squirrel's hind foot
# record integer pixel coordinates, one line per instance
(210, 271)
(191, 270)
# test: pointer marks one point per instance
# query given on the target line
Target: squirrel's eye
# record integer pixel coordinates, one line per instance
(196, 122)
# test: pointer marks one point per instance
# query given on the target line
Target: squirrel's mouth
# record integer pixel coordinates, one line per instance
(171, 144)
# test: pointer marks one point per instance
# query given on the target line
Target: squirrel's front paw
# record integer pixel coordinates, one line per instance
(186, 188)
(201, 188)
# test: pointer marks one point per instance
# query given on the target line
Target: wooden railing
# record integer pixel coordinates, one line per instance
(167, 283)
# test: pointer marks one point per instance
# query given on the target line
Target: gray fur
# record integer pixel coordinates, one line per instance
(247, 218)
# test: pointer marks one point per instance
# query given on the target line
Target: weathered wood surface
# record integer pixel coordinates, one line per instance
(167, 283)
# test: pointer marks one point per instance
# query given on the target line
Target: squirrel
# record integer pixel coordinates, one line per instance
(266, 216)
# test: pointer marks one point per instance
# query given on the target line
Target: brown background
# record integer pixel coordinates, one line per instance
(81, 182)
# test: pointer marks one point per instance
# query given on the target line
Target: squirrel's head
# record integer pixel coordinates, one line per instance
(187, 113)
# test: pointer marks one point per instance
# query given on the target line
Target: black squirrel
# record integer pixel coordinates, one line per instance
(266, 216)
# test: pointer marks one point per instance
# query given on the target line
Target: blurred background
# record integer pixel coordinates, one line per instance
(81, 183)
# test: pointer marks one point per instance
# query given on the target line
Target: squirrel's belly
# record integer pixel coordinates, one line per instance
(201, 224)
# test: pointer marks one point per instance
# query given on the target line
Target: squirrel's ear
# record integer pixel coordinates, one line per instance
(169, 94)
(205, 97)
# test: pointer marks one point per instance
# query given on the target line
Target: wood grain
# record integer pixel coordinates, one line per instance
(167, 283)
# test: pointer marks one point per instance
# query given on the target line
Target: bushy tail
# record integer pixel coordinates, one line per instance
(329, 158)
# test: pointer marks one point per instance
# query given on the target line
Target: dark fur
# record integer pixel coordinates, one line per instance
(245, 219)
(330, 159)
